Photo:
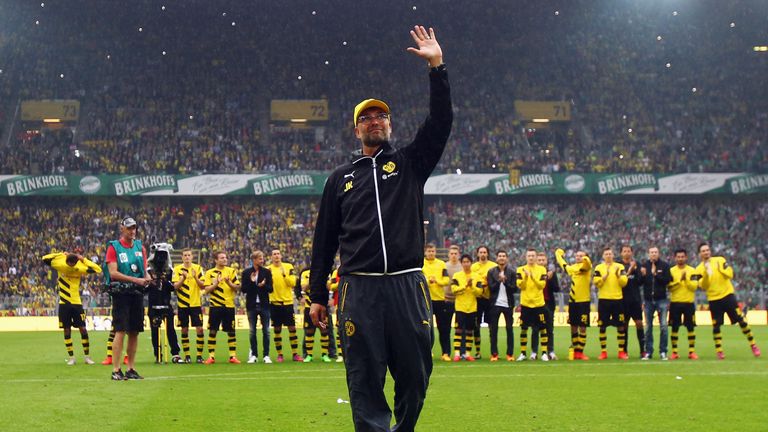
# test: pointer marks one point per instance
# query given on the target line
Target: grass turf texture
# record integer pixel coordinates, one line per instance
(42, 393)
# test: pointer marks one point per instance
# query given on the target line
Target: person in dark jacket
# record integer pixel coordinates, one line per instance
(552, 287)
(633, 296)
(656, 276)
(257, 284)
(372, 212)
(501, 283)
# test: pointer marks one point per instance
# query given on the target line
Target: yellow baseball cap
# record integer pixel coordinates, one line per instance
(369, 103)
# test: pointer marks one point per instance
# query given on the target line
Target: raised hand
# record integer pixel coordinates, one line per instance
(427, 46)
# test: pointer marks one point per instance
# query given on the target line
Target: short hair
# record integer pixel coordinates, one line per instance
(530, 250)
(256, 253)
(430, 246)
(217, 253)
(467, 256)
(682, 251)
(501, 251)
(608, 248)
(701, 245)
(186, 249)
(454, 247)
(626, 246)
(71, 260)
(541, 253)
(482, 247)
(654, 247)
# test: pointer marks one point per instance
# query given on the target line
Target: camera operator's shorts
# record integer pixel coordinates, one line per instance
(223, 317)
(282, 315)
(191, 316)
(128, 312)
(71, 315)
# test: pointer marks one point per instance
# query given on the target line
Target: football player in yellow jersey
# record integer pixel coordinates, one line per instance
(578, 300)
(531, 280)
(467, 287)
(715, 280)
(281, 304)
(609, 278)
(682, 310)
(481, 267)
(222, 283)
(71, 268)
(187, 280)
(437, 278)
(308, 344)
(334, 340)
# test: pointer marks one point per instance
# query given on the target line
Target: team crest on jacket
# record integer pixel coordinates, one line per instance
(349, 328)
(389, 167)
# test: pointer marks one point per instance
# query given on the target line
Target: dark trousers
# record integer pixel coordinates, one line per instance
(550, 329)
(483, 309)
(493, 316)
(386, 322)
(260, 312)
(155, 320)
(443, 311)
(331, 337)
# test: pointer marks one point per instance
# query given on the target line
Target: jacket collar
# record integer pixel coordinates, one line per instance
(358, 156)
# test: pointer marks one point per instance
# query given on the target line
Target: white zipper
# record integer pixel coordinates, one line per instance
(378, 209)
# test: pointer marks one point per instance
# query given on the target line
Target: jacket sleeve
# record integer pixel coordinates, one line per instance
(555, 283)
(725, 269)
(493, 281)
(325, 242)
(443, 280)
(268, 281)
(665, 277)
(519, 278)
(455, 287)
(428, 145)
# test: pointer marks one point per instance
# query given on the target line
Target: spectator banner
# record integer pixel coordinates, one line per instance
(311, 183)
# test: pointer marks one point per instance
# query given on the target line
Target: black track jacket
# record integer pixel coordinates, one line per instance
(372, 208)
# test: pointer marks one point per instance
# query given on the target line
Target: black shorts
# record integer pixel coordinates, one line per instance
(533, 317)
(466, 320)
(71, 315)
(191, 316)
(128, 312)
(282, 315)
(633, 310)
(578, 314)
(726, 305)
(223, 317)
(610, 313)
(682, 314)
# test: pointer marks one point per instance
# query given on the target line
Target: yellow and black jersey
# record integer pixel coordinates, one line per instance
(283, 282)
(188, 294)
(70, 277)
(482, 269)
(223, 295)
(716, 277)
(467, 288)
(436, 268)
(531, 287)
(304, 278)
(581, 277)
(609, 280)
(683, 290)
(333, 281)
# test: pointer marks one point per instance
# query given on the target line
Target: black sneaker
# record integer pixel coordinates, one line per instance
(187, 359)
(132, 374)
(200, 360)
(118, 376)
(176, 359)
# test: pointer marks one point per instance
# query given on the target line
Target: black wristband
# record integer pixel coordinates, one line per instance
(438, 68)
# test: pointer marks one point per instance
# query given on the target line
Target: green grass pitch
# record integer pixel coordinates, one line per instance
(41, 393)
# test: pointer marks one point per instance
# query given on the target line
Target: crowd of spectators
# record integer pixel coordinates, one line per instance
(183, 89)
(736, 230)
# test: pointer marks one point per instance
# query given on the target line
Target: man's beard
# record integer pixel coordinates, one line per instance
(375, 142)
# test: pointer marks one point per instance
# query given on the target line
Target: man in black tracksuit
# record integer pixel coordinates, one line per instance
(372, 212)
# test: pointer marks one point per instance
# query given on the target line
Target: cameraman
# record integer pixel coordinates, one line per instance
(160, 307)
(127, 262)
